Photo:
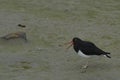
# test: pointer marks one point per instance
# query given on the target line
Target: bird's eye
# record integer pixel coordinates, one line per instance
(75, 39)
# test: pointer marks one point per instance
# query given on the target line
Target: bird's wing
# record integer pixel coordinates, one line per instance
(91, 49)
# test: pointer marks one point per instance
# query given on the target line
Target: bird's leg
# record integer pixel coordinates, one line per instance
(84, 67)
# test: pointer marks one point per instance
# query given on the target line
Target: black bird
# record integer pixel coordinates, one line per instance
(86, 48)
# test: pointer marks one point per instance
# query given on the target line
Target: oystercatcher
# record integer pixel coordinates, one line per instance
(86, 49)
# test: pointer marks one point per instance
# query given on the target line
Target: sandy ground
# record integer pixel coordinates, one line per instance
(50, 23)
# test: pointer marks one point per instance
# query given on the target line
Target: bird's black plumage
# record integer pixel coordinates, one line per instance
(88, 48)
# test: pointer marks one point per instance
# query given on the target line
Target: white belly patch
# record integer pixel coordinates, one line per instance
(83, 55)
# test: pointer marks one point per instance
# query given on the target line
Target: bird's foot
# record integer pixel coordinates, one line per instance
(84, 68)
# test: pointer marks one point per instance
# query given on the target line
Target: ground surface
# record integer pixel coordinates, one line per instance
(51, 23)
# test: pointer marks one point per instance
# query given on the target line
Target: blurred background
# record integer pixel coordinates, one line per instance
(50, 23)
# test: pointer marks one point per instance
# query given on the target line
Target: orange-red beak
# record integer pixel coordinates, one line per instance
(71, 43)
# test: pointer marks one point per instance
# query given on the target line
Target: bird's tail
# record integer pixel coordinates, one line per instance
(107, 55)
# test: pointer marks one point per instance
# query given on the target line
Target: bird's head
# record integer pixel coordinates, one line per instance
(74, 41)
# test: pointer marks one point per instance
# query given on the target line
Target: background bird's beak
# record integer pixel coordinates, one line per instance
(71, 43)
